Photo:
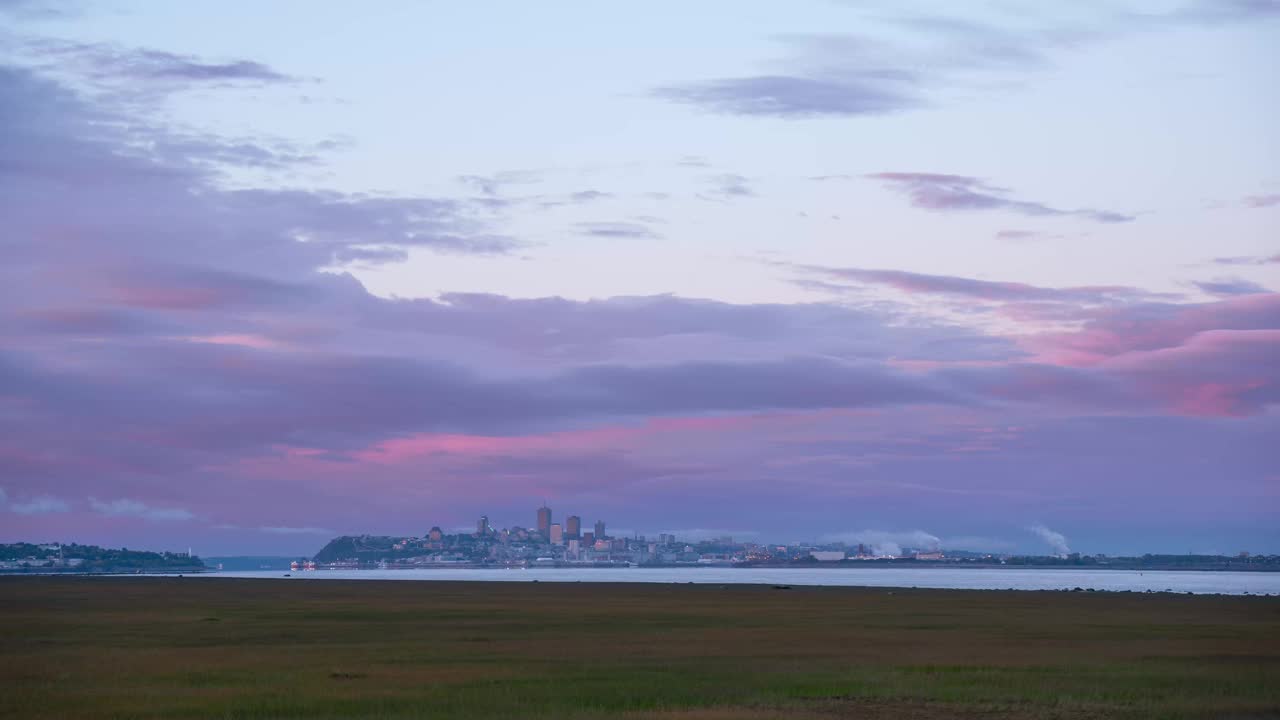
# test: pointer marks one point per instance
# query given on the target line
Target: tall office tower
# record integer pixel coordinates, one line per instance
(573, 527)
(482, 525)
(557, 534)
(600, 530)
(544, 520)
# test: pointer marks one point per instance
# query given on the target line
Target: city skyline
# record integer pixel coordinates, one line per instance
(823, 269)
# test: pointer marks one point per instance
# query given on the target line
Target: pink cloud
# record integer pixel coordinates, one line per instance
(257, 342)
(167, 298)
(1111, 332)
(424, 445)
(1219, 373)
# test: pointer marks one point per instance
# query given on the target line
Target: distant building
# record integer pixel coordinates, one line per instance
(435, 535)
(544, 521)
(827, 555)
(573, 527)
(557, 534)
(600, 530)
(931, 555)
(588, 539)
(482, 525)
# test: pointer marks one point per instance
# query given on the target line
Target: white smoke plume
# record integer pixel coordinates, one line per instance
(887, 544)
(885, 548)
(1055, 540)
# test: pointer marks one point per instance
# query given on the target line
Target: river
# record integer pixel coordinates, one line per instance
(1182, 581)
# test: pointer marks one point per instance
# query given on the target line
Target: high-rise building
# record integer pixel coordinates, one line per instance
(482, 525)
(573, 527)
(435, 535)
(588, 539)
(544, 521)
(557, 534)
(600, 530)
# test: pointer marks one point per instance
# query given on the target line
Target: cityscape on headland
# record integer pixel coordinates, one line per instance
(553, 544)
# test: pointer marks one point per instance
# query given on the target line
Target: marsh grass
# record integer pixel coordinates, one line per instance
(196, 648)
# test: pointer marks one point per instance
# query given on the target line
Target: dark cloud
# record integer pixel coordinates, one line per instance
(158, 65)
(41, 9)
(934, 191)
(854, 75)
(496, 184)
(1262, 201)
(795, 97)
(110, 63)
(910, 282)
(729, 185)
(1230, 286)
(1217, 11)
(1248, 260)
(617, 230)
(851, 75)
(115, 197)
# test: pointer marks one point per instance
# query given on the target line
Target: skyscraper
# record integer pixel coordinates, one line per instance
(544, 520)
(600, 530)
(557, 534)
(482, 525)
(573, 527)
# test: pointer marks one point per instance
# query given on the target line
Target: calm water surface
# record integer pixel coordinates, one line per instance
(1225, 583)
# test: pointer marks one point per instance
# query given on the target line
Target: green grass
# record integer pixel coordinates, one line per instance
(224, 648)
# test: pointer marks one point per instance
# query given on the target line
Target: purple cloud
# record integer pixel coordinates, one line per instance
(933, 191)
(1230, 286)
(170, 346)
(729, 185)
(1262, 201)
(630, 230)
(39, 9)
(1248, 260)
(111, 63)
(125, 507)
(852, 75)
(794, 97)
(921, 283)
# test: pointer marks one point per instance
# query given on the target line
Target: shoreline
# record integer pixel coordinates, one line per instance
(1196, 583)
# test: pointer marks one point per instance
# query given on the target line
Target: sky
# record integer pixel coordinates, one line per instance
(811, 271)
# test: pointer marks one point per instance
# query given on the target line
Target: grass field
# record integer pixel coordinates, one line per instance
(195, 648)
